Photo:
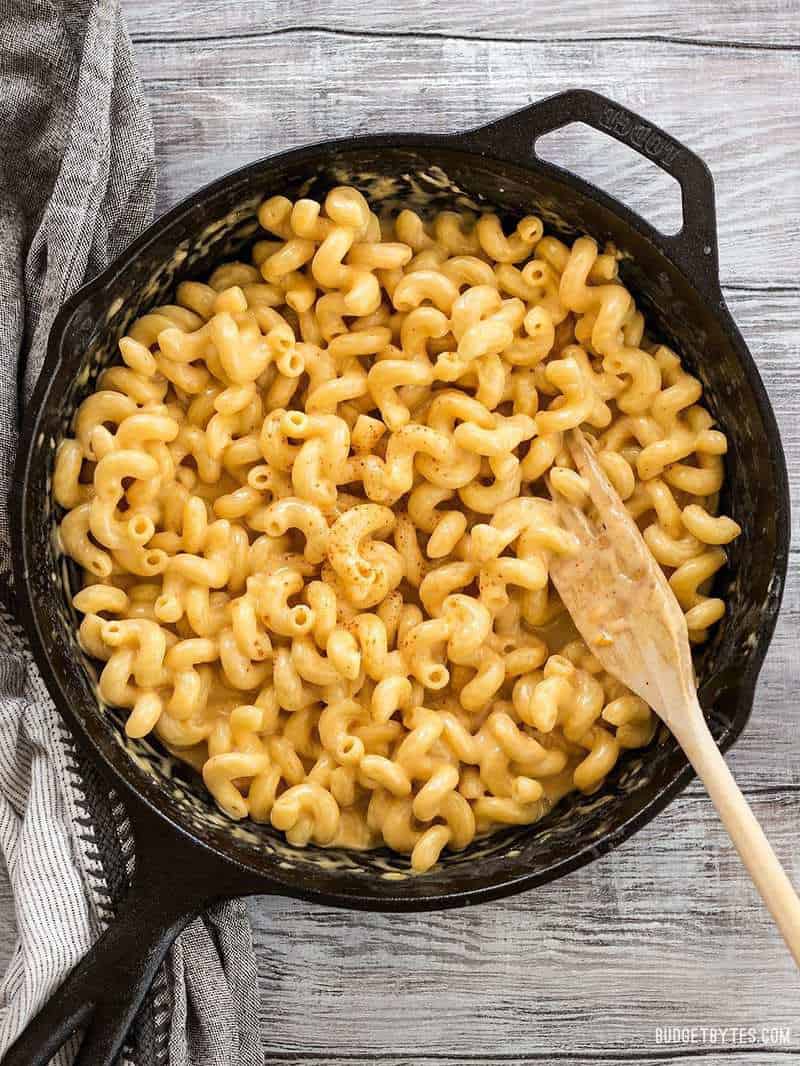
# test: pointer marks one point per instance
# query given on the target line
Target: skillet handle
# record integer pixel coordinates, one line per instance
(694, 247)
(172, 883)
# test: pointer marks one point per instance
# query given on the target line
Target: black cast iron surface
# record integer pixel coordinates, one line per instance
(187, 852)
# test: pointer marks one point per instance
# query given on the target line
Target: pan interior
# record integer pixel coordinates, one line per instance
(220, 224)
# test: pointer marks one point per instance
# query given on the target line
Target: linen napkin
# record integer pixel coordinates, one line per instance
(77, 183)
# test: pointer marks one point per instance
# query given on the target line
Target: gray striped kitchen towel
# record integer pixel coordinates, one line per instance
(77, 182)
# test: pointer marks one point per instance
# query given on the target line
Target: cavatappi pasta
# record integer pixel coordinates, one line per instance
(312, 513)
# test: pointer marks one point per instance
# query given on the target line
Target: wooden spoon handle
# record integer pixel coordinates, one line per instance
(755, 850)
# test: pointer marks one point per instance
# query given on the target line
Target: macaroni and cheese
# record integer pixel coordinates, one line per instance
(312, 512)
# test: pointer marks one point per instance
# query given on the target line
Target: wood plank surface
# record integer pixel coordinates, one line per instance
(667, 1057)
(220, 103)
(758, 22)
(663, 931)
(666, 930)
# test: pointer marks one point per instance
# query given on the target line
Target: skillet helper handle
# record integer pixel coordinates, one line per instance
(694, 247)
(171, 885)
(743, 827)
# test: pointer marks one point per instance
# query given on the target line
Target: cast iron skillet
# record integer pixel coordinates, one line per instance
(187, 854)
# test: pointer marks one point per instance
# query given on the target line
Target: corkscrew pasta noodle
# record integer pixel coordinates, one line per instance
(311, 510)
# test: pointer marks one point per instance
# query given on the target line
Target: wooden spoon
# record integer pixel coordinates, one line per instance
(627, 614)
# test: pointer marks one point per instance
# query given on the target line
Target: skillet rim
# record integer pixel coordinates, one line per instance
(140, 790)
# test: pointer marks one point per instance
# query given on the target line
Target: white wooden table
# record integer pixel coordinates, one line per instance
(665, 931)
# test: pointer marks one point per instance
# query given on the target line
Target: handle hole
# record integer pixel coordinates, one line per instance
(618, 170)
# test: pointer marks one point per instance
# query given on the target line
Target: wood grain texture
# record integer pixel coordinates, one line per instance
(768, 755)
(219, 104)
(767, 25)
(721, 1058)
(660, 932)
(667, 929)
(666, 1057)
